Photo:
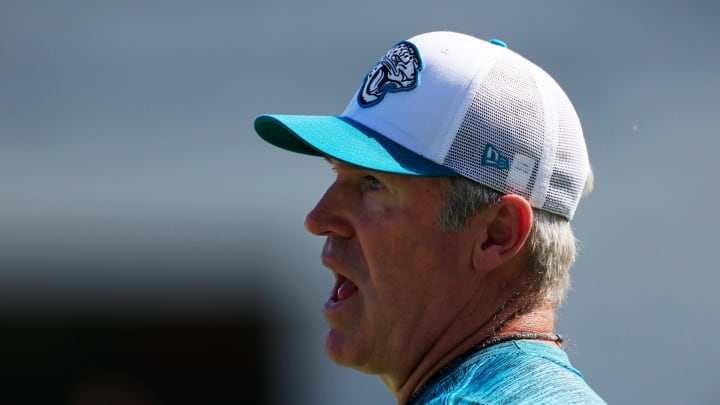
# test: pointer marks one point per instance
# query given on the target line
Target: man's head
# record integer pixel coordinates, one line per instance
(459, 165)
(402, 280)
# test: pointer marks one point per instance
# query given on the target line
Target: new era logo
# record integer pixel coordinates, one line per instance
(493, 158)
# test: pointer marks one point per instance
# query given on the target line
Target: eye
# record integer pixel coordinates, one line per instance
(373, 183)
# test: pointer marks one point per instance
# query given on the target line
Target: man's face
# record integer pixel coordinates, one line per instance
(398, 276)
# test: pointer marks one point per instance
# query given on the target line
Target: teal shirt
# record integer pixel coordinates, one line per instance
(517, 372)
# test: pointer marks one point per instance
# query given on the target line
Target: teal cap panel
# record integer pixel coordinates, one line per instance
(345, 140)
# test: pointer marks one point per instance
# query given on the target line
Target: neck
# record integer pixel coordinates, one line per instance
(514, 320)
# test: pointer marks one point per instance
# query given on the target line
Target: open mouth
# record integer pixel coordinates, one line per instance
(344, 289)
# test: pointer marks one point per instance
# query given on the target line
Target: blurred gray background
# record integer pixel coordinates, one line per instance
(131, 181)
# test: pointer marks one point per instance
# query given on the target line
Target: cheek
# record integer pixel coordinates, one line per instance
(410, 263)
(434, 262)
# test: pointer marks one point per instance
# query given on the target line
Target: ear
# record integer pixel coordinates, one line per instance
(507, 227)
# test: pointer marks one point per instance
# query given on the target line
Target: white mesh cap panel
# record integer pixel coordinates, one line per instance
(505, 115)
(571, 166)
(520, 135)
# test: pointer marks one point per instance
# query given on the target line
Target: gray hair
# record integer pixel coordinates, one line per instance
(551, 239)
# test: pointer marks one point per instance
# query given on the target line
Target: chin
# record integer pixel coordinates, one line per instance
(341, 350)
(347, 352)
(335, 347)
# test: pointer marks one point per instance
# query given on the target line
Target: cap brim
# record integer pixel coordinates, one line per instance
(343, 139)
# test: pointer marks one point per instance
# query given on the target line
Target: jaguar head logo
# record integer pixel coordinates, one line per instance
(398, 70)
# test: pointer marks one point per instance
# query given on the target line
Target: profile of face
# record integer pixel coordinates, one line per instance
(396, 271)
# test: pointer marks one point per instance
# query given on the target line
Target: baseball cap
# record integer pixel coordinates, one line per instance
(448, 104)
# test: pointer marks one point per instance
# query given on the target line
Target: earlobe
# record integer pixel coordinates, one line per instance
(506, 228)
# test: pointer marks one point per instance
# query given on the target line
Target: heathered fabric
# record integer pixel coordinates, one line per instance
(518, 372)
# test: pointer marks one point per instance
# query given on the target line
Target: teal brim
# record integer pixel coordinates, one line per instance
(343, 139)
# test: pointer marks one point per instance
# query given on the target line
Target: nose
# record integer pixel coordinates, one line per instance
(329, 217)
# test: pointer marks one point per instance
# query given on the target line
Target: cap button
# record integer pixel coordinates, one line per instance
(498, 43)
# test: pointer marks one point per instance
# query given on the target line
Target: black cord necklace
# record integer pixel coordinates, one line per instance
(490, 341)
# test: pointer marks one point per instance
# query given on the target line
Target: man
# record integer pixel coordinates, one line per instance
(459, 165)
